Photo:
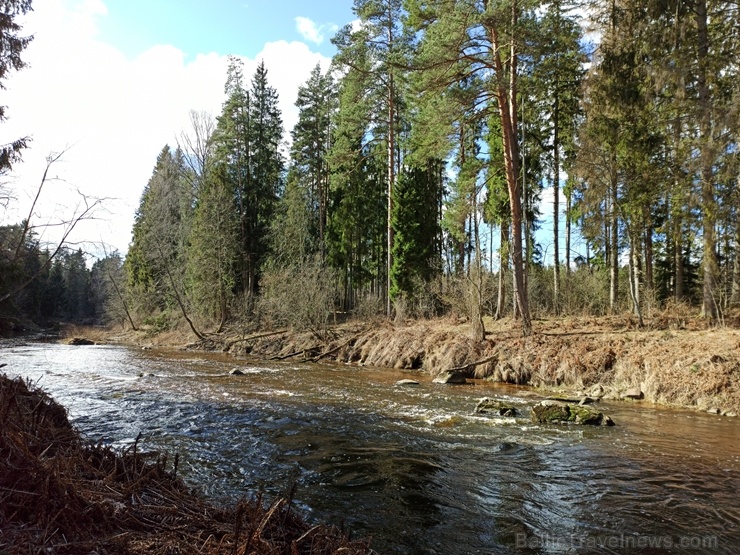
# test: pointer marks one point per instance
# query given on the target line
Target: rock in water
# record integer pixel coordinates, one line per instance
(492, 406)
(633, 393)
(451, 378)
(407, 382)
(557, 412)
(80, 341)
(236, 372)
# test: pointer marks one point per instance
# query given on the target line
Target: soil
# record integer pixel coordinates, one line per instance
(676, 362)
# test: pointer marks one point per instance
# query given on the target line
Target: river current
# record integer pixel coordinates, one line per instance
(411, 467)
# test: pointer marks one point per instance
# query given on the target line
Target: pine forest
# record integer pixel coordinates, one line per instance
(481, 158)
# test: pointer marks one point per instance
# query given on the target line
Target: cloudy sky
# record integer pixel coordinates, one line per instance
(110, 82)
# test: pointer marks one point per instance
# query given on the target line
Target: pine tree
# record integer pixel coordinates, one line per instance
(383, 41)
(555, 79)
(357, 216)
(312, 136)
(479, 42)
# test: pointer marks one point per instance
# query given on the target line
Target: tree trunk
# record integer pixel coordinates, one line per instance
(568, 204)
(478, 332)
(556, 209)
(709, 209)
(613, 246)
(735, 294)
(391, 172)
(506, 98)
(678, 292)
(504, 263)
(649, 279)
(634, 281)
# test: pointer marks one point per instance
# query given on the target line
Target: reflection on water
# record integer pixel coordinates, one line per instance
(410, 466)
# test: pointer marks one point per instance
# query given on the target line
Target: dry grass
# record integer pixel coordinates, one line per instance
(61, 495)
(95, 334)
(677, 359)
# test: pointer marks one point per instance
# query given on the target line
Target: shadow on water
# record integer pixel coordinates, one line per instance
(411, 467)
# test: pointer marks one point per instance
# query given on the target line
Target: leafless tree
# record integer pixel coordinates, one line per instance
(85, 209)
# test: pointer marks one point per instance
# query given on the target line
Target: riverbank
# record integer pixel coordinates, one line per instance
(683, 363)
(60, 494)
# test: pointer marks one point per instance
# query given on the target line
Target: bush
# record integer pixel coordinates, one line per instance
(301, 296)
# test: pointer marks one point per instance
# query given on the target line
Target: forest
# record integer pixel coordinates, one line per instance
(420, 175)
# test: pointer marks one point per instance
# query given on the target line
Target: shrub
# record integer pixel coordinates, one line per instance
(301, 296)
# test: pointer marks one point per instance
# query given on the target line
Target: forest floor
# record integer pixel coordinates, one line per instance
(673, 361)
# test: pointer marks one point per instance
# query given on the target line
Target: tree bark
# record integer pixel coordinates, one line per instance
(503, 264)
(613, 245)
(568, 202)
(506, 97)
(709, 209)
(391, 168)
(634, 281)
(735, 294)
(556, 207)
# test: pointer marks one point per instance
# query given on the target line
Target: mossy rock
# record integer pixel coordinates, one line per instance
(548, 412)
(492, 406)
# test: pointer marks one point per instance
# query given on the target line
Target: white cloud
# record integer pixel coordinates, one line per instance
(312, 32)
(117, 113)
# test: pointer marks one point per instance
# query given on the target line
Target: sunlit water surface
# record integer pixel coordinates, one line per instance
(411, 467)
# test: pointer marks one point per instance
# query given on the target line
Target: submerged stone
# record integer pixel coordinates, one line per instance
(236, 372)
(558, 412)
(492, 406)
(451, 378)
(407, 382)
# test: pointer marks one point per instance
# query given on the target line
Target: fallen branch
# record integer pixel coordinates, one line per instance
(296, 353)
(465, 367)
(252, 337)
(335, 349)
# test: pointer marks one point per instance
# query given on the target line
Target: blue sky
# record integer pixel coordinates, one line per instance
(222, 26)
(110, 82)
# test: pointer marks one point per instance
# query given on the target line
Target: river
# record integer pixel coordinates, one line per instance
(411, 467)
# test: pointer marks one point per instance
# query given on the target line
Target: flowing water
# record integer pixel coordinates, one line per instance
(410, 466)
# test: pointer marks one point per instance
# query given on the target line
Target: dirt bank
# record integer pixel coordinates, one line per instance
(695, 366)
(59, 494)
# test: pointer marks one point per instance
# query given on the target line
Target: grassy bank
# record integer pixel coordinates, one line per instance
(685, 363)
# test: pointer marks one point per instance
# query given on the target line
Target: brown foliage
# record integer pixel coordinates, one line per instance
(61, 495)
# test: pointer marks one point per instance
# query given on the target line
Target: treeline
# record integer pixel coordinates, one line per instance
(415, 176)
(44, 287)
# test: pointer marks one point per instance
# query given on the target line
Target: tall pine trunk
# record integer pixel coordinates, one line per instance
(709, 205)
(506, 97)
(613, 245)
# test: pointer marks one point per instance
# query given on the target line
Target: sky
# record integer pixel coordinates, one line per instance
(110, 82)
